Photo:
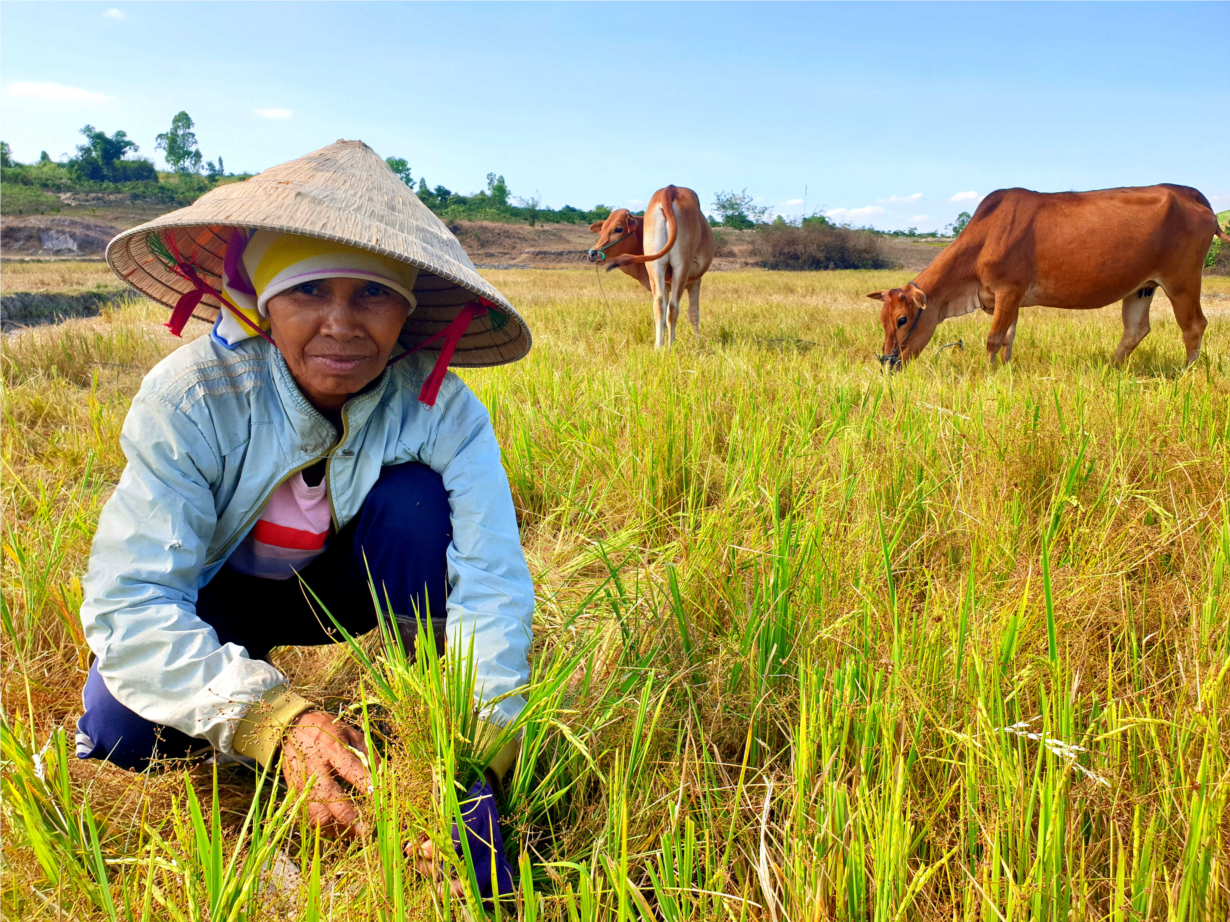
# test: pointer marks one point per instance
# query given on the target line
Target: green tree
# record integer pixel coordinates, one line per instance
(497, 189)
(6, 154)
(103, 159)
(179, 145)
(43, 157)
(736, 209)
(105, 149)
(958, 225)
(401, 168)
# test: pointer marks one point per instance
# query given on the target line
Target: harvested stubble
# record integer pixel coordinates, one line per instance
(813, 642)
(57, 275)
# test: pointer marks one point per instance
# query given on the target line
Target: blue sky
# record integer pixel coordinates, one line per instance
(887, 113)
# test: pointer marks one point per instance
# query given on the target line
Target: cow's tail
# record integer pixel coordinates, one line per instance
(668, 209)
(1218, 232)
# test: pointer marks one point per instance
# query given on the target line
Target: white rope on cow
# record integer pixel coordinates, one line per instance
(598, 275)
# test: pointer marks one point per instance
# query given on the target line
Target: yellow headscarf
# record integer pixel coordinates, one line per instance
(274, 262)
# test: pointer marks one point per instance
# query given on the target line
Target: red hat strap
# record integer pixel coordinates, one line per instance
(451, 335)
(166, 248)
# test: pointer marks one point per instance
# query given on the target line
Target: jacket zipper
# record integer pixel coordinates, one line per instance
(327, 457)
(261, 506)
(337, 522)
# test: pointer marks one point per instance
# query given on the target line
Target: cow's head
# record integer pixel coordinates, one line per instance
(616, 236)
(900, 315)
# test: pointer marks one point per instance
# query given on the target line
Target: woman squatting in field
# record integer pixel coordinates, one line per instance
(293, 448)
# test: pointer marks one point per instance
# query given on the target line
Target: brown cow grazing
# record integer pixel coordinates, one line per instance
(1074, 250)
(677, 232)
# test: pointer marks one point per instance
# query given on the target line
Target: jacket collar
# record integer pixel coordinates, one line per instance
(314, 432)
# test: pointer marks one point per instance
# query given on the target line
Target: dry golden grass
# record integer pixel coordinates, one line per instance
(59, 275)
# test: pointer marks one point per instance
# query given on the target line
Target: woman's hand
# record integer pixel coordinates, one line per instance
(317, 745)
(423, 852)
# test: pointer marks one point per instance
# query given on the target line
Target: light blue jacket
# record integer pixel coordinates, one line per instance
(210, 435)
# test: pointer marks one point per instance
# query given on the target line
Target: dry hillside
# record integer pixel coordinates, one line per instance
(82, 231)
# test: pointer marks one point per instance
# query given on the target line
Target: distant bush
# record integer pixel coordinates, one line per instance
(817, 246)
(912, 233)
(492, 204)
(45, 174)
(723, 242)
(120, 171)
(139, 182)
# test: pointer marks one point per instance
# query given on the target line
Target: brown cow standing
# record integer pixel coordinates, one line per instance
(1074, 250)
(677, 232)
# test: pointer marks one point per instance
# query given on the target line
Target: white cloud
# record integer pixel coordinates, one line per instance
(921, 217)
(273, 113)
(895, 199)
(792, 201)
(842, 214)
(970, 196)
(113, 13)
(54, 92)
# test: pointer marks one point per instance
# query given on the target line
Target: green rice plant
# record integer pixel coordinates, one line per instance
(60, 832)
(213, 884)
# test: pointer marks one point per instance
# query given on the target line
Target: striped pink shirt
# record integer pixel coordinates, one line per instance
(292, 531)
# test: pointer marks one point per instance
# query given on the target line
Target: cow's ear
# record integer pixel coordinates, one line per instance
(631, 223)
(596, 227)
(877, 295)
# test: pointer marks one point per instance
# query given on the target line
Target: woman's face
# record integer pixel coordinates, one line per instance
(336, 335)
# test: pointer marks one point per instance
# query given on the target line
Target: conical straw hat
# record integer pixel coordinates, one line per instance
(346, 193)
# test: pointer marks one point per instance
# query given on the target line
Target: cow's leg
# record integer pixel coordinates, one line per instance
(679, 281)
(1008, 342)
(694, 306)
(658, 285)
(1185, 299)
(1135, 322)
(1003, 322)
(672, 303)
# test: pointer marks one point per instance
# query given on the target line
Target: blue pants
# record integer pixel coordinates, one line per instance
(401, 534)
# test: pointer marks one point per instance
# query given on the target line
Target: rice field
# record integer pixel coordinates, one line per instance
(813, 642)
